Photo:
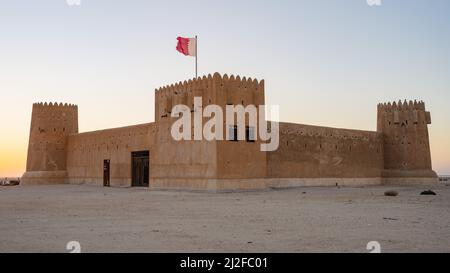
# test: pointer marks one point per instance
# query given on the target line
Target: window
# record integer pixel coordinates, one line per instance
(233, 133)
(250, 134)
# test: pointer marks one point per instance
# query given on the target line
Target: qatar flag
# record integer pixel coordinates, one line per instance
(187, 46)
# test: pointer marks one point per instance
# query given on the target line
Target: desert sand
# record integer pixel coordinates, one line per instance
(313, 219)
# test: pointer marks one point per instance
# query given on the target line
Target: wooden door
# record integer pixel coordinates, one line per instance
(106, 173)
(140, 169)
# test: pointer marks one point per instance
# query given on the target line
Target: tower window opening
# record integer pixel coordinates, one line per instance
(233, 133)
(250, 134)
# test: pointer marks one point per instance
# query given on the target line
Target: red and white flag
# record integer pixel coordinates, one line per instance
(187, 46)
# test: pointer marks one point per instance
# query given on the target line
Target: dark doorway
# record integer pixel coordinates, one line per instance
(140, 169)
(106, 173)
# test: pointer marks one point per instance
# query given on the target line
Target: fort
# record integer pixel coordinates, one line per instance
(398, 152)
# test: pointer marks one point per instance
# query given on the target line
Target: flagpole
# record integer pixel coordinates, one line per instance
(196, 54)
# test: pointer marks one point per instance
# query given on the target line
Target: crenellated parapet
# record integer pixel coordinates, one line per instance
(402, 113)
(51, 104)
(402, 106)
(210, 80)
(44, 110)
(214, 89)
(56, 117)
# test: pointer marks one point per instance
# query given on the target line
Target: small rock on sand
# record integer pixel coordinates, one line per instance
(390, 193)
(428, 192)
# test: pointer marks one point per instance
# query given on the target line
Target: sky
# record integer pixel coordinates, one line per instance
(324, 62)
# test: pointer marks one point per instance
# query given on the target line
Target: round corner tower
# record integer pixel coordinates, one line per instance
(51, 124)
(404, 127)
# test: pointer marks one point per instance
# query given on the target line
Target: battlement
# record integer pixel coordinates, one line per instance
(210, 80)
(214, 89)
(55, 105)
(401, 106)
(51, 110)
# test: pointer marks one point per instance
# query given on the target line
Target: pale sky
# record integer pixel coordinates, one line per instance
(324, 62)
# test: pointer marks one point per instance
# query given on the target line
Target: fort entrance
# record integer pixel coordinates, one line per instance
(106, 173)
(140, 169)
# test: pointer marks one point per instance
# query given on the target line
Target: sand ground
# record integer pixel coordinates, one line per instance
(313, 219)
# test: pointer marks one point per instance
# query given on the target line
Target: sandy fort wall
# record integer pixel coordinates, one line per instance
(87, 151)
(307, 151)
(238, 160)
(181, 164)
(186, 164)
